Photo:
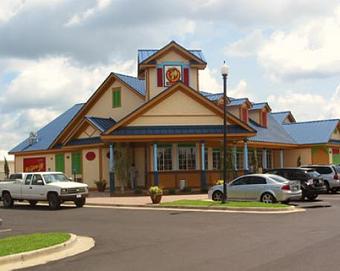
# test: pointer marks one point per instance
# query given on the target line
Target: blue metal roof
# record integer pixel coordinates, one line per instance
(178, 130)
(259, 105)
(311, 132)
(101, 123)
(280, 116)
(50, 132)
(137, 84)
(84, 141)
(274, 132)
(146, 53)
(216, 96)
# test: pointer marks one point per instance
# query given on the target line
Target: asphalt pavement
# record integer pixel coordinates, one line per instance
(175, 240)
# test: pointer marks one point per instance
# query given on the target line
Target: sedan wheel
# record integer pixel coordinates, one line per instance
(268, 198)
(217, 196)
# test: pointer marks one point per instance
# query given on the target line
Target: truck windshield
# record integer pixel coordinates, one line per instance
(53, 178)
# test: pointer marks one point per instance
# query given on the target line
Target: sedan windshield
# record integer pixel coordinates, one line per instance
(313, 174)
(53, 178)
(278, 179)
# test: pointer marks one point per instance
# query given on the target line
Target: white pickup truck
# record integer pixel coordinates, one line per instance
(53, 187)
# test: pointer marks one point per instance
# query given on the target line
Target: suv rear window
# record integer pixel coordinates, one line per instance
(15, 176)
(323, 170)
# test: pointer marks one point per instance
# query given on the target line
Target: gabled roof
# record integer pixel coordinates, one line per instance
(93, 99)
(147, 56)
(146, 53)
(311, 132)
(101, 124)
(178, 130)
(135, 83)
(274, 133)
(49, 133)
(258, 106)
(281, 116)
(231, 101)
(164, 94)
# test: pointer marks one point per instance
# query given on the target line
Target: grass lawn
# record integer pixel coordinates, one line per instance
(29, 242)
(209, 203)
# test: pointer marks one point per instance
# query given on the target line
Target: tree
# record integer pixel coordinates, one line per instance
(6, 168)
(122, 164)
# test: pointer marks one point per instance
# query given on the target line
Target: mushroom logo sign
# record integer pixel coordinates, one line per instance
(172, 74)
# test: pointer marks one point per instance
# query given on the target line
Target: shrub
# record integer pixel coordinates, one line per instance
(172, 191)
(138, 190)
(155, 190)
(219, 182)
(187, 189)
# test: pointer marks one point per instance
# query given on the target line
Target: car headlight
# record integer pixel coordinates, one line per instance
(63, 190)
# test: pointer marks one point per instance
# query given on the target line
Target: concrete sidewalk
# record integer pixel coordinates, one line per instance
(94, 199)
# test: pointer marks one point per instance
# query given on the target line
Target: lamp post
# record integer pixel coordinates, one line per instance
(224, 72)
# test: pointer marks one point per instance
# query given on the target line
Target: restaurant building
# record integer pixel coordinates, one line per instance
(170, 130)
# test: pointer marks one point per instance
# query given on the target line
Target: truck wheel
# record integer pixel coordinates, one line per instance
(53, 201)
(80, 202)
(33, 202)
(7, 200)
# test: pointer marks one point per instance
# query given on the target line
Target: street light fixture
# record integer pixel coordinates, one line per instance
(224, 72)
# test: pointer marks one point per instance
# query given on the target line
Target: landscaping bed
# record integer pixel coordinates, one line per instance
(218, 204)
(29, 242)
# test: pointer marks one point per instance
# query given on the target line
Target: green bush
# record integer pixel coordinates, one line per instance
(172, 191)
(187, 189)
(138, 190)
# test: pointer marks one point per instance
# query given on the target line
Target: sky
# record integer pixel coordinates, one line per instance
(55, 53)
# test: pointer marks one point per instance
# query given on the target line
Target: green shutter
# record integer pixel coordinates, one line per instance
(59, 162)
(116, 97)
(76, 162)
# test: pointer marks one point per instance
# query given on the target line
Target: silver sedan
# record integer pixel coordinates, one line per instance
(258, 187)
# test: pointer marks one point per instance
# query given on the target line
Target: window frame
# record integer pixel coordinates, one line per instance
(116, 101)
(190, 161)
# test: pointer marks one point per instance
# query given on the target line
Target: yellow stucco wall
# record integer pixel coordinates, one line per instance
(336, 135)
(90, 168)
(170, 56)
(129, 100)
(235, 110)
(50, 162)
(291, 157)
(255, 115)
(89, 131)
(178, 109)
(320, 155)
(68, 164)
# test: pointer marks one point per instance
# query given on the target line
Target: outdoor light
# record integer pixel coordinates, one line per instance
(224, 69)
(224, 72)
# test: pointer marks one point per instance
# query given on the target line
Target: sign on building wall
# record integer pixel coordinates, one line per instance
(172, 74)
(34, 164)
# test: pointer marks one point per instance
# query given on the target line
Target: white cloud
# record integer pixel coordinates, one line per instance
(44, 89)
(308, 51)
(208, 81)
(241, 90)
(247, 46)
(9, 8)
(307, 106)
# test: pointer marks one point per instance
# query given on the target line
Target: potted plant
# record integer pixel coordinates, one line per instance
(101, 185)
(155, 194)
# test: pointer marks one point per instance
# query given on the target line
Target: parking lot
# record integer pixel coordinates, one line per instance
(175, 240)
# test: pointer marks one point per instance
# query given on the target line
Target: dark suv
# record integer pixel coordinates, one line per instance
(312, 183)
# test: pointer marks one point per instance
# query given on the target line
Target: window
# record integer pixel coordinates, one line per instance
(36, 178)
(76, 163)
(59, 162)
(240, 181)
(28, 179)
(255, 180)
(187, 157)
(164, 157)
(206, 158)
(239, 159)
(269, 159)
(245, 115)
(116, 98)
(264, 119)
(216, 159)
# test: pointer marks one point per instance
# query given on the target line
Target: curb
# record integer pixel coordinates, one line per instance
(290, 209)
(0, 221)
(22, 257)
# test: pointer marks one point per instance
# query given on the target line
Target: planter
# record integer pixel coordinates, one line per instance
(156, 198)
(101, 187)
